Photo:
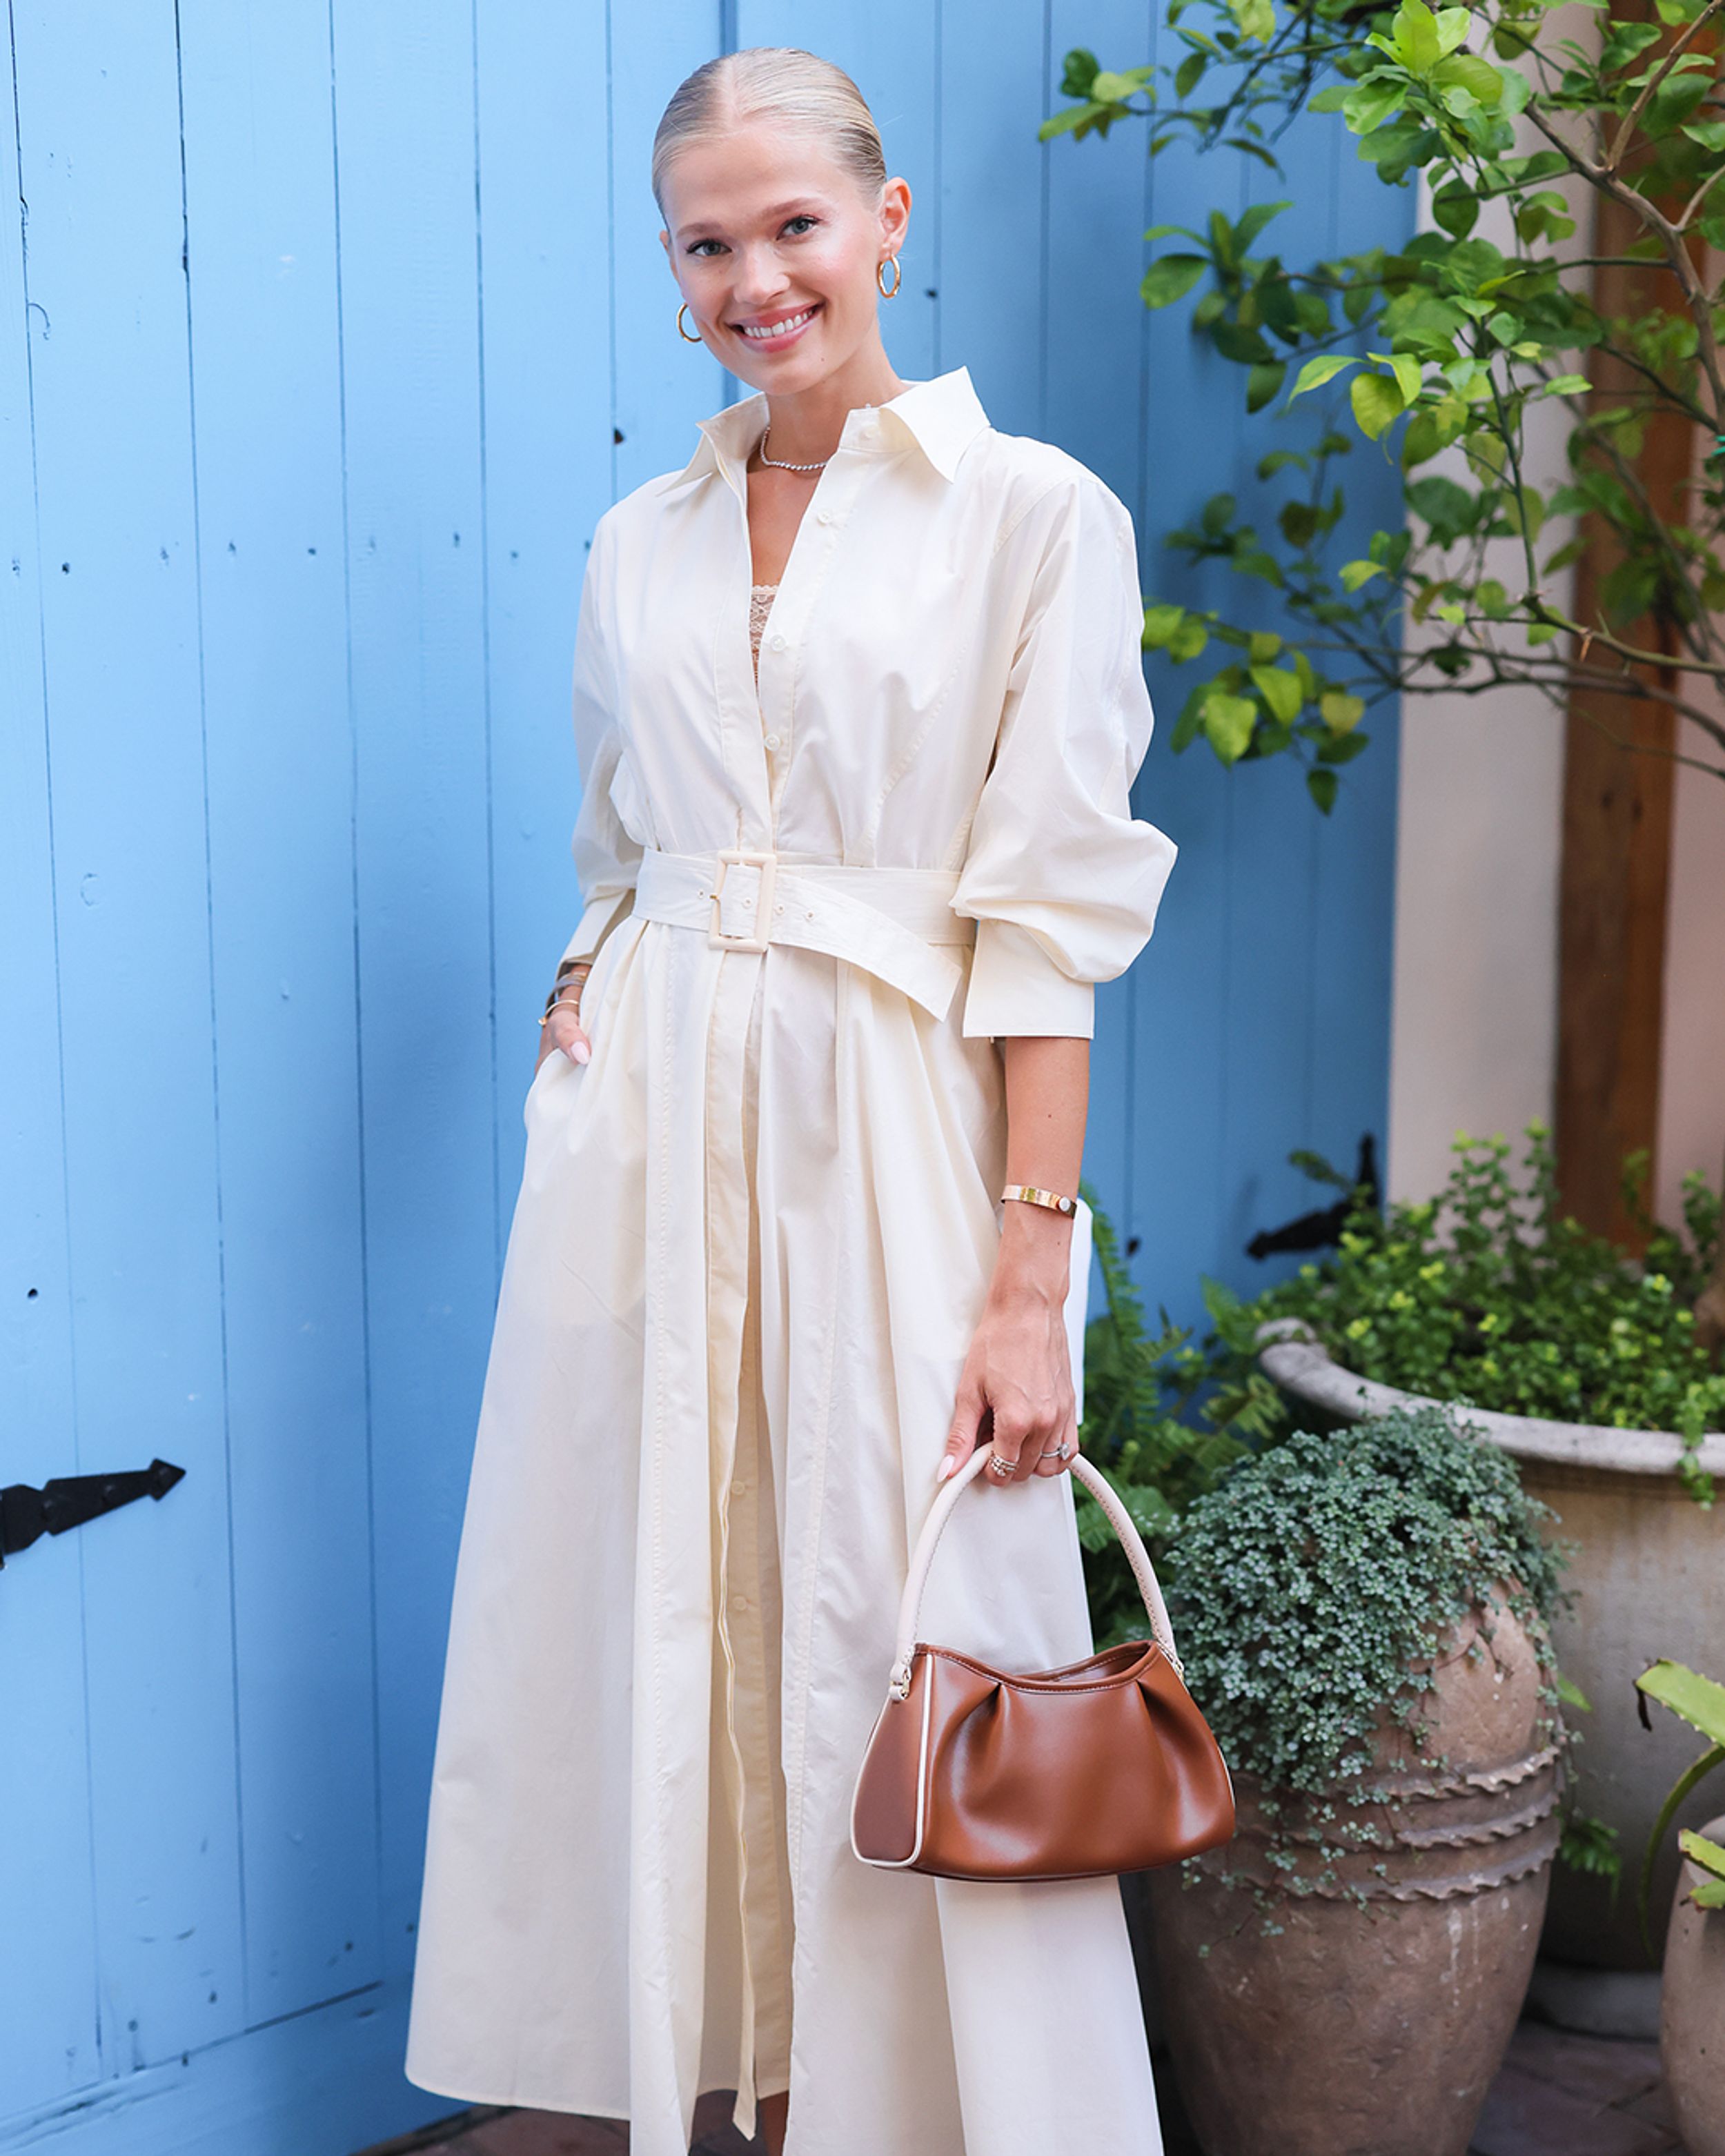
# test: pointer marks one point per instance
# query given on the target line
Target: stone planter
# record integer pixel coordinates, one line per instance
(1648, 1577)
(1372, 2026)
(1692, 2033)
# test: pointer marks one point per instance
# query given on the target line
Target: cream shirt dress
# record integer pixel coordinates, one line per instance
(754, 1239)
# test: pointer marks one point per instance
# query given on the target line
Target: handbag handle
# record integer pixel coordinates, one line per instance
(910, 1608)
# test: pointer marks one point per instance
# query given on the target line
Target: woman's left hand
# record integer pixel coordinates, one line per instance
(1016, 1393)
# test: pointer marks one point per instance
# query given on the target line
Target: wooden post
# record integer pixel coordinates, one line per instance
(1617, 822)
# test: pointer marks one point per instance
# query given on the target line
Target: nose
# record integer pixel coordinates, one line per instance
(759, 278)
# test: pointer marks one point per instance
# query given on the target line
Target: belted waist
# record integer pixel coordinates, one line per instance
(893, 922)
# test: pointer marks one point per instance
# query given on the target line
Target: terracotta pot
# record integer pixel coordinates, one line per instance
(1691, 2030)
(1371, 2019)
(1647, 1572)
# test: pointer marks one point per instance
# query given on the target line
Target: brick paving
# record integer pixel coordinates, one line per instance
(1559, 2095)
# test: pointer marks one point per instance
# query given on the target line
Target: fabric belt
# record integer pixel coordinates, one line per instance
(892, 922)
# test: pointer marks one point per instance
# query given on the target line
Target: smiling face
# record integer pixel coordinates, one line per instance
(775, 247)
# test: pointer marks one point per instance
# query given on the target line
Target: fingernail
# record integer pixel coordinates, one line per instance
(581, 1051)
(948, 1465)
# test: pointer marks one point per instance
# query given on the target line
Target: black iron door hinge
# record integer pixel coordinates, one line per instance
(67, 1501)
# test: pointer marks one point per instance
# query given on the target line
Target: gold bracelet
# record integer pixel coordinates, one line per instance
(558, 1003)
(577, 981)
(1028, 1194)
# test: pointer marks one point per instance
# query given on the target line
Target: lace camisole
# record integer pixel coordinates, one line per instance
(761, 598)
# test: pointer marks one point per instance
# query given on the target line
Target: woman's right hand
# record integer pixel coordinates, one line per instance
(562, 1030)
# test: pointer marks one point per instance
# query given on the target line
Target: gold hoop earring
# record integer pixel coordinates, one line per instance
(886, 291)
(697, 338)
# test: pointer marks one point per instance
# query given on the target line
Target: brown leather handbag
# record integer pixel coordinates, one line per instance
(1102, 1767)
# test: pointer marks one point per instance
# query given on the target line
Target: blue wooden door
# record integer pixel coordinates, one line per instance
(327, 331)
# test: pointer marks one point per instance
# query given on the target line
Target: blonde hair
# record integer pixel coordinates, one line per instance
(803, 93)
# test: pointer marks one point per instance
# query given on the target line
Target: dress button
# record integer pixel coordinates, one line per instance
(824, 516)
(739, 1602)
(739, 1489)
(772, 741)
(779, 643)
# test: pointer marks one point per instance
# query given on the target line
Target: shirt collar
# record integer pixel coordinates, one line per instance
(940, 418)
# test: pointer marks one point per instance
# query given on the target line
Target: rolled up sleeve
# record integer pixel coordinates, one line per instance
(607, 858)
(1062, 880)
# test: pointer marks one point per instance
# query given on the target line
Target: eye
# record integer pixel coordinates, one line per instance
(699, 243)
(803, 219)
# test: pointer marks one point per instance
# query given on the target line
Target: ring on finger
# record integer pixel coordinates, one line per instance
(1001, 1467)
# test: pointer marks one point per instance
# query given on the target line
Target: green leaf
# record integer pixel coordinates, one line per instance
(1567, 385)
(1323, 786)
(1190, 73)
(1710, 1894)
(1080, 71)
(1340, 712)
(1172, 279)
(1229, 722)
(1160, 622)
(1457, 208)
(1406, 370)
(1708, 1764)
(1700, 1850)
(1697, 1699)
(1468, 71)
(1367, 108)
(1107, 88)
(1413, 37)
(1378, 402)
(1448, 508)
(1572, 1695)
(1318, 371)
(1280, 688)
(1264, 383)
(1354, 574)
(1187, 640)
(1709, 133)
(1253, 221)
(1242, 343)
(1256, 18)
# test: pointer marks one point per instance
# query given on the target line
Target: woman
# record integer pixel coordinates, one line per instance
(846, 899)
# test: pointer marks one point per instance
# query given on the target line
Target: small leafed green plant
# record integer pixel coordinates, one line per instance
(1313, 1586)
(1144, 1428)
(1701, 1702)
(1487, 1295)
(1521, 117)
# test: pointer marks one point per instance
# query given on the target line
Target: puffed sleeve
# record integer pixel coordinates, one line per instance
(607, 859)
(1062, 880)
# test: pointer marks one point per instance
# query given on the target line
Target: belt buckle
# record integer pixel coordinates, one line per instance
(744, 857)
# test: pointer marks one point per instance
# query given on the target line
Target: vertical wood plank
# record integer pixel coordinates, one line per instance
(1092, 342)
(47, 1995)
(994, 177)
(662, 385)
(100, 170)
(409, 284)
(544, 197)
(266, 346)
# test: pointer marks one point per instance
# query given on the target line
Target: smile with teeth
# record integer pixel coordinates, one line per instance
(765, 334)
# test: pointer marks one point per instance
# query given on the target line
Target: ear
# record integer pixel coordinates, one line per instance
(895, 212)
